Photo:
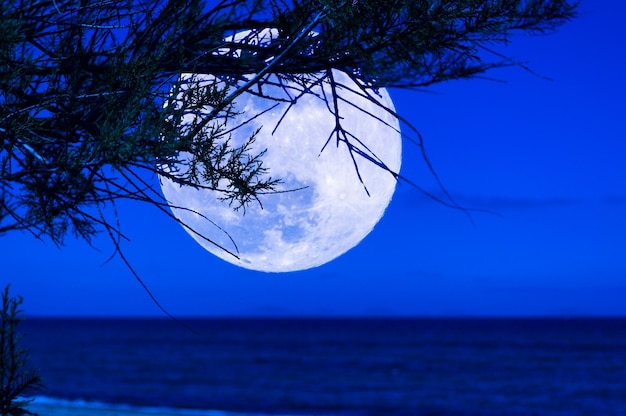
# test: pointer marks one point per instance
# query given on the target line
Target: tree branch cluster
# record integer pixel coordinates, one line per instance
(93, 93)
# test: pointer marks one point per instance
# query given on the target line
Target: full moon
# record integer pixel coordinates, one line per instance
(330, 205)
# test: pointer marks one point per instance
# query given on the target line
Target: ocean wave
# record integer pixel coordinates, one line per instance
(52, 406)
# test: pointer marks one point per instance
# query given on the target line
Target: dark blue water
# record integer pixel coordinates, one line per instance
(357, 367)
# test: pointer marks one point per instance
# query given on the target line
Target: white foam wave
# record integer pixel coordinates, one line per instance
(75, 407)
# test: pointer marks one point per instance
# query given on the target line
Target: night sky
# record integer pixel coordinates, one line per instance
(541, 162)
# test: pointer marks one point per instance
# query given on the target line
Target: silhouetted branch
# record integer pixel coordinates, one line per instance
(92, 89)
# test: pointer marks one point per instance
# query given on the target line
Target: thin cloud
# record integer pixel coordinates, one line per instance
(481, 202)
(614, 200)
(497, 203)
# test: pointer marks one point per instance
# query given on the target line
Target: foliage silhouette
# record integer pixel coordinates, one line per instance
(15, 380)
(96, 98)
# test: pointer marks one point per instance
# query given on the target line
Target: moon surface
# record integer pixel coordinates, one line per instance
(332, 209)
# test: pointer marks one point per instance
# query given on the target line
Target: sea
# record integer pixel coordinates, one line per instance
(324, 367)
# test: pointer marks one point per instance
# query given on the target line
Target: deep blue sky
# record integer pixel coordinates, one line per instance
(547, 156)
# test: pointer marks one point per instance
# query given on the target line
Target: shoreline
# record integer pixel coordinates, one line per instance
(52, 407)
